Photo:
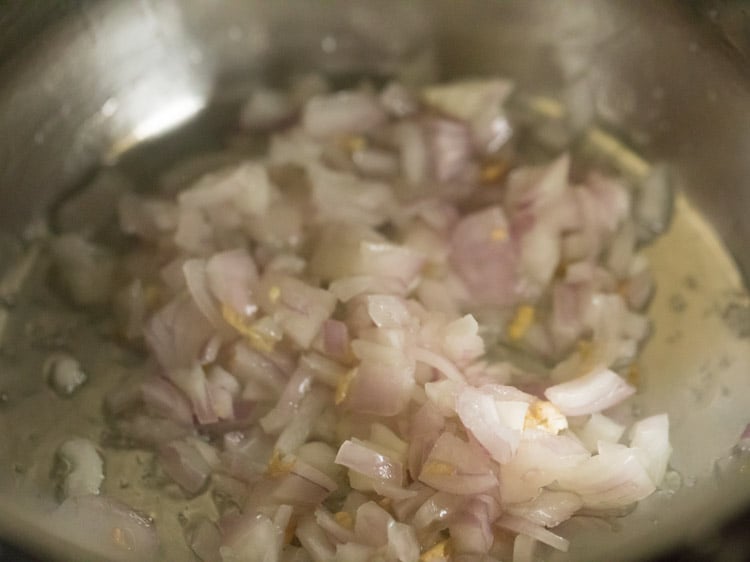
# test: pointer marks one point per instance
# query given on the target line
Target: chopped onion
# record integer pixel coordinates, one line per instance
(485, 257)
(373, 162)
(231, 276)
(653, 206)
(297, 307)
(185, 465)
(163, 399)
(382, 384)
(457, 467)
(651, 435)
(85, 467)
(196, 282)
(471, 530)
(402, 542)
(480, 414)
(266, 109)
(600, 428)
(177, 333)
(371, 524)
(549, 508)
(524, 548)
(313, 539)
(356, 456)
(340, 113)
(522, 526)
(107, 528)
(246, 187)
(439, 363)
(64, 373)
(398, 100)
(205, 540)
(450, 148)
(613, 478)
(322, 320)
(596, 391)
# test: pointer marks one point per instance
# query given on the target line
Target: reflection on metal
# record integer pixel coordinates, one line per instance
(174, 113)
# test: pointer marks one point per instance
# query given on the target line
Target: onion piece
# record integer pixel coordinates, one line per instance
(245, 187)
(522, 526)
(231, 276)
(85, 472)
(651, 435)
(344, 197)
(297, 307)
(108, 528)
(439, 363)
(461, 340)
(299, 384)
(266, 109)
(184, 463)
(375, 162)
(613, 478)
(205, 540)
(177, 333)
(341, 113)
(402, 542)
(479, 413)
(414, 152)
(600, 428)
(548, 509)
(245, 457)
(336, 339)
(457, 467)
(465, 98)
(332, 527)
(292, 489)
(347, 288)
(653, 207)
(296, 433)
(371, 524)
(398, 100)
(387, 311)
(356, 456)
(313, 539)
(223, 390)
(153, 432)
(541, 458)
(255, 369)
(354, 552)
(450, 146)
(524, 548)
(537, 188)
(383, 382)
(256, 536)
(596, 391)
(471, 530)
(164, 399)
(346, 250)
(64, 373)
(192, 381)
(196, 281)
(485, 256)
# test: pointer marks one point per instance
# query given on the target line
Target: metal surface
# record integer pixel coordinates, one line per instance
(111, 75)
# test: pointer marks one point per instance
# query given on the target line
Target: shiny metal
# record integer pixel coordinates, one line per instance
(101, 78)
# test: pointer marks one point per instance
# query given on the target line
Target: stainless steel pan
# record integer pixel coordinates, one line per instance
(85, 84)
